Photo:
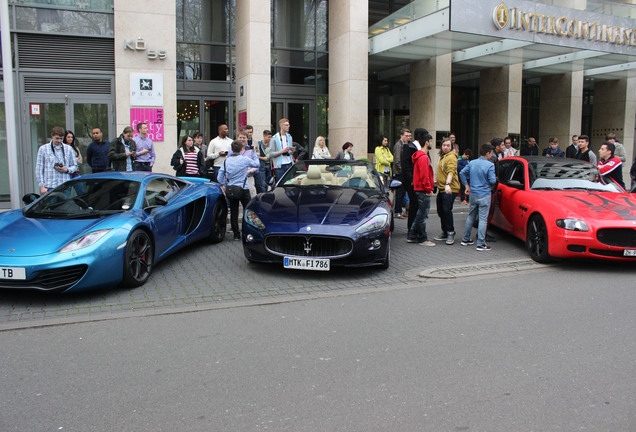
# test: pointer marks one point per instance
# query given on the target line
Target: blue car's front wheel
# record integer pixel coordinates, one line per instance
(138, 259)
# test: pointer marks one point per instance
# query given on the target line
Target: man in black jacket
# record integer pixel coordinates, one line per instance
(573, 148)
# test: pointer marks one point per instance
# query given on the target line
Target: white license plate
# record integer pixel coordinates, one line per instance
(300, 263)
(629, 252)
(17, 273)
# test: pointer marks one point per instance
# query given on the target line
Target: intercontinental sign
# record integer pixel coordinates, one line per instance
(517, 19)
(542, 23)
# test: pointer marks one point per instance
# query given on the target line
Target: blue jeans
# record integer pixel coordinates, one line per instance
(418, 228)
(259, 179)
(282, 170)
(399, 196)
(479, 205)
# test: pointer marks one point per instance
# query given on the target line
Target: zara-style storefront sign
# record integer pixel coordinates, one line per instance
(545, 24)
(146, 89)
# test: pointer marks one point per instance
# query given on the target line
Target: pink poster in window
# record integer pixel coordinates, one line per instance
(153, 117)
(242, 119)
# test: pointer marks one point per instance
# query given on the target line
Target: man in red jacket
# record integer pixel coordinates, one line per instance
(610, 165)
(423, 181)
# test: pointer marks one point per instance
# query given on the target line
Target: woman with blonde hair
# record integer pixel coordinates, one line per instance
(320, 149)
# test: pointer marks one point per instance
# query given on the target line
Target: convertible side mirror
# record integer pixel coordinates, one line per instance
(29, 198)
(515, 184)
(395, 184)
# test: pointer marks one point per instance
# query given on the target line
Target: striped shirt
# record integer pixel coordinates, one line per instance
(190, 160)
(45, 172)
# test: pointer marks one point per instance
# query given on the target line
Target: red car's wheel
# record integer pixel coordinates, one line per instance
(537, 240)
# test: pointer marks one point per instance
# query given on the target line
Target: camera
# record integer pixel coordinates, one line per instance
(59, 164)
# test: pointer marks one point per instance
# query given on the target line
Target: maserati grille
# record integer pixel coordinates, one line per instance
(621, 237)
(310, 246)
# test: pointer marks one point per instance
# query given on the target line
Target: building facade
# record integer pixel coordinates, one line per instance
(349, 70)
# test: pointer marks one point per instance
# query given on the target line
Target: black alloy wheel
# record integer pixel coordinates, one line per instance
(387, 257)
(219, 221)
(537, 240)
(138, 259)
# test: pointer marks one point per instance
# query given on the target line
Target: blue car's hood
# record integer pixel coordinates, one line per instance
(322, 206)
(22, 237)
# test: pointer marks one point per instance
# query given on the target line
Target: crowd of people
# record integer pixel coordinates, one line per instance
(474, 181)
(242, 165)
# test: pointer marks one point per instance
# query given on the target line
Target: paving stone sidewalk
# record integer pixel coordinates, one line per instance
(209, 276)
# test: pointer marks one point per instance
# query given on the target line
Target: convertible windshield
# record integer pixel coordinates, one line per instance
(346, 174)
(566, 175)
(89, 198)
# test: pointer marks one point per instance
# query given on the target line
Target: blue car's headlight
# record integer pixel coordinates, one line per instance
(572, 224)
(252, 219)
(375, 223)
(85, 241)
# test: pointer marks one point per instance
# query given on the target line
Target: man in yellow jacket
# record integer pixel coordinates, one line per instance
(447, 181)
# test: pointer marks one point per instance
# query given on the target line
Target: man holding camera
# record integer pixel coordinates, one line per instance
(54, 162)
(280, 149)
(218, 149)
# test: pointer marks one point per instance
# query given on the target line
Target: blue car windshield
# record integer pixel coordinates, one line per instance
(339, 173)
(86, 198)
(568, 175)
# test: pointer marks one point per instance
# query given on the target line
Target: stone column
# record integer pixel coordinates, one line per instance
(561, 108)
(615, 111)
(253, 60)
(147, 21)
(348, 75)
(430, 96)
(499, 102)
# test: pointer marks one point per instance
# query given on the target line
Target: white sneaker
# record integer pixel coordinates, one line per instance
(427, 243)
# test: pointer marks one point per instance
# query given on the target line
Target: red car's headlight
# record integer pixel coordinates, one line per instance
(572, 224)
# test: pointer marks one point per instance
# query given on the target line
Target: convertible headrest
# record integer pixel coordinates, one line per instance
(313, 172)
(359, 172)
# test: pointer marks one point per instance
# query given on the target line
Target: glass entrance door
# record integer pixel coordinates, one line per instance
(203, 115)
(78, 114)
(301, 120)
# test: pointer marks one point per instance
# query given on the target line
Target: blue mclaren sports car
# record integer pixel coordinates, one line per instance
(106, 229)
(322, 213)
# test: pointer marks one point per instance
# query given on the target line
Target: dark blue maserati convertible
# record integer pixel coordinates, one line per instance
(106, 229)
(322, 213)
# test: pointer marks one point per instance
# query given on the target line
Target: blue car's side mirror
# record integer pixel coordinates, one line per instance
(29, 198)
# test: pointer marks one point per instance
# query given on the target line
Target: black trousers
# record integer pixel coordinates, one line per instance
(445, 211)
(234, 208)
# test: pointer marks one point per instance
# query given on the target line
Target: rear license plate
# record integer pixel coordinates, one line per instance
(16, 273)
(299, 263)
(629, 252)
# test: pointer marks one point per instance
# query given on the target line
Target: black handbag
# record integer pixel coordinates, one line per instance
(232, 192)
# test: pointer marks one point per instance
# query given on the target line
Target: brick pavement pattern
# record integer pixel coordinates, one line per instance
(210, 276)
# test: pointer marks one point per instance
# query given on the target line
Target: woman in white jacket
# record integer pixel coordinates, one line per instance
(320, 149)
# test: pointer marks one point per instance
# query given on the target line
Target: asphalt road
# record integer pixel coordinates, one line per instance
(543, 350)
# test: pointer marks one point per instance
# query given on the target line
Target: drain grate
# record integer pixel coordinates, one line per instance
(466, 270)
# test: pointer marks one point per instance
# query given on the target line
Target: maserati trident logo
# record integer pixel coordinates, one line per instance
(501, 16)
(307, 247)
